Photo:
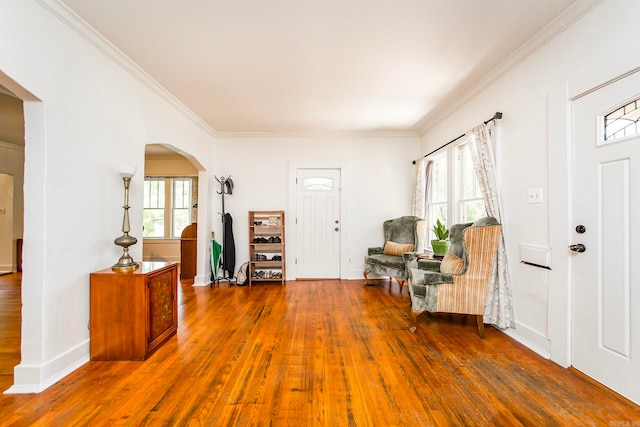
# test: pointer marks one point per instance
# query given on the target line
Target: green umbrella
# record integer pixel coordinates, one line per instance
(216, 251)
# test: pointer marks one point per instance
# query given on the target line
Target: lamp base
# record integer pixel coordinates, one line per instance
(125, 268)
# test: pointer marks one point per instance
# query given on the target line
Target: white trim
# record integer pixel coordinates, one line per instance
(559, 173)
(320, 134)
(530, 338)
(36, 378)
(291, 273)
(544, 36)
(90, 34)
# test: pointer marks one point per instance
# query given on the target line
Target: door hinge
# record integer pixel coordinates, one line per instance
(296, 261)
(149, 284)
(296, 221)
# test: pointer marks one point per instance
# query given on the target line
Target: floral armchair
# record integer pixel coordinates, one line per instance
(461, 282)
(401, 235)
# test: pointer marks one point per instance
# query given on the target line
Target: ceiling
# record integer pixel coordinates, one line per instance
(318, 65)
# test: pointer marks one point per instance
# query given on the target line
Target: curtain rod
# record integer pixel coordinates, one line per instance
(496, 116)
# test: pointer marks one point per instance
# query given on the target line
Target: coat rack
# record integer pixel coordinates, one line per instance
(226, 187)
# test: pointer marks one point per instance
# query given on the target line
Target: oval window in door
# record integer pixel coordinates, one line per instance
(317, 183)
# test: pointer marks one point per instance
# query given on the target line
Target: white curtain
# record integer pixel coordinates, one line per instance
(499, 306)
(419, 204)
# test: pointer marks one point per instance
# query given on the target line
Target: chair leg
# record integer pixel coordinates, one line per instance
(414, 315)
(365, 277)
(400, 284)
(480, 321)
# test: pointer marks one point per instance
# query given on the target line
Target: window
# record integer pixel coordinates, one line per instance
(470, 200)
(437, 192)
(181, 206)
(622, 122)
(454, 194)
(318, 183)
(153, 215)
(167, 220)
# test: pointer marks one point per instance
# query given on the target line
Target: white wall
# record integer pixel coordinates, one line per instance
(377, 184)
(84, 115)
(601, 45)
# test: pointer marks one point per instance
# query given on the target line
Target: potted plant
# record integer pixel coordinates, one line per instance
(441, 244)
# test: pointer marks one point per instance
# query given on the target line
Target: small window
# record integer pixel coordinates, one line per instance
(153, 215)
(168, 206)
(181, 206)
(437, 193)
(622, 122)
(470, 197)
(317, 183)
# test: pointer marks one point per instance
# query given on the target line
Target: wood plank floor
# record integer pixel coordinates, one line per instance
(313, 353)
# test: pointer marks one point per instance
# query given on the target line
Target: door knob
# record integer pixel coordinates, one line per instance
(578, 247)
(337, 229)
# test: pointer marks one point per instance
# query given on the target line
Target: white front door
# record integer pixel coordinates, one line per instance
(318, 223)
(605, 302)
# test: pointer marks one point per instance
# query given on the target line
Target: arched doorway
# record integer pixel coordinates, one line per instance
(171, 198)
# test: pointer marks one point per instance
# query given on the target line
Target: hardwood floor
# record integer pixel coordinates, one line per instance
(331, 353)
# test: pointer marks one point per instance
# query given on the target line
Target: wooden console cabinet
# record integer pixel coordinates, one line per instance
(132, 314)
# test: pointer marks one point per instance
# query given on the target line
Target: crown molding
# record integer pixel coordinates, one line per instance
(322, 134)
(563, 21)
(82, 27)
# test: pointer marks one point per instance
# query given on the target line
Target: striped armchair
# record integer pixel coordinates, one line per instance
(462, 283)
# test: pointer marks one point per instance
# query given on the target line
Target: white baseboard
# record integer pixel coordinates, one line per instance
(202, 280)
(7, 269)
(530, 338)
(36, 378)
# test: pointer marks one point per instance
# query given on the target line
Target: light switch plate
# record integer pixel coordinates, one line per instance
(535, 195)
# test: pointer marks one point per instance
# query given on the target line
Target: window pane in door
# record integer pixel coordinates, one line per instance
(622, 122)
(318, 183)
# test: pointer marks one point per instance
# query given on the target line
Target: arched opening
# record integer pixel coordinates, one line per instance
(170, 210)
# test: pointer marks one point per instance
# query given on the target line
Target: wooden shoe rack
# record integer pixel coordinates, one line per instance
(266, 247)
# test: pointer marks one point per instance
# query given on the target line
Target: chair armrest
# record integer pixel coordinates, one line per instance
(433, 278)
(375, 251)
(429, 264)
(410, 260)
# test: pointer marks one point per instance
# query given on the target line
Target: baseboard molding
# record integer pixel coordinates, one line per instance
(37, 378)
(530, 338)
(202, 280)
(4, 269)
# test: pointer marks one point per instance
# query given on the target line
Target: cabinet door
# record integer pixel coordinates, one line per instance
(162, 306)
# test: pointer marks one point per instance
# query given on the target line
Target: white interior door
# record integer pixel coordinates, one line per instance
(605, 278)
(318, 223)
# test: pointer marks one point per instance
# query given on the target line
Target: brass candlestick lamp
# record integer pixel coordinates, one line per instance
(125, 263)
